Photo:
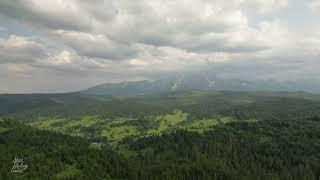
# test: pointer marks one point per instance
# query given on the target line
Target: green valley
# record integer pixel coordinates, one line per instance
(179, 135)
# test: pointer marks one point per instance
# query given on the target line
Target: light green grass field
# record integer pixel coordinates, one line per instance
(119, 128)
(69, 172)
(3, 130)
(71, 127)
(201, 125)
(118, 133)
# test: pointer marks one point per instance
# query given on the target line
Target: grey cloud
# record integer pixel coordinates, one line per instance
(20, 50)
(99, 9)
(46, 14)
(96, 46)
(169, 23)
(97, 41)
(276, 67)
(174, 24)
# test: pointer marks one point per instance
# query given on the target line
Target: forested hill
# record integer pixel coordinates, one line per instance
(197, 103)
(54, 156)
(176, 135)
(238, 150)
(12, 103)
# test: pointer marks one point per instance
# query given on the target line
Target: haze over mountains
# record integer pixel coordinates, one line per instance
(197, 82)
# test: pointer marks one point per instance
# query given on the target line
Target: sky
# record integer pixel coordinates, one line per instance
(63, 46)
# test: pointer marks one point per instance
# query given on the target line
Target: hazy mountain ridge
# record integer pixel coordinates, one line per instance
(197, 82)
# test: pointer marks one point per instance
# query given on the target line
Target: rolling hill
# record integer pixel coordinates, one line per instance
(196, 134)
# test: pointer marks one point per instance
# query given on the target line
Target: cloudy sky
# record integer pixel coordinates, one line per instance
(67, 45)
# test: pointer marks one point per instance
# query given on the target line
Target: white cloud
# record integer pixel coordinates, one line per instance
(263, 6)
(16, 49)
(194, 26)
(314, 5)
(95, 45)
(123, 39)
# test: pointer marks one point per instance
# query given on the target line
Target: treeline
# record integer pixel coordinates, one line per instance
(104, 109)
(240, 105)
(253, 107)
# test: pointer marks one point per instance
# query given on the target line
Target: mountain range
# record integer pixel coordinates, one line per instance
(197, 82)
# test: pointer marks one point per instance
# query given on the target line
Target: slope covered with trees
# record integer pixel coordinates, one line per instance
(180, 135)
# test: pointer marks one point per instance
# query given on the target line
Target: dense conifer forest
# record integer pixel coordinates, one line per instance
(184, 135)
